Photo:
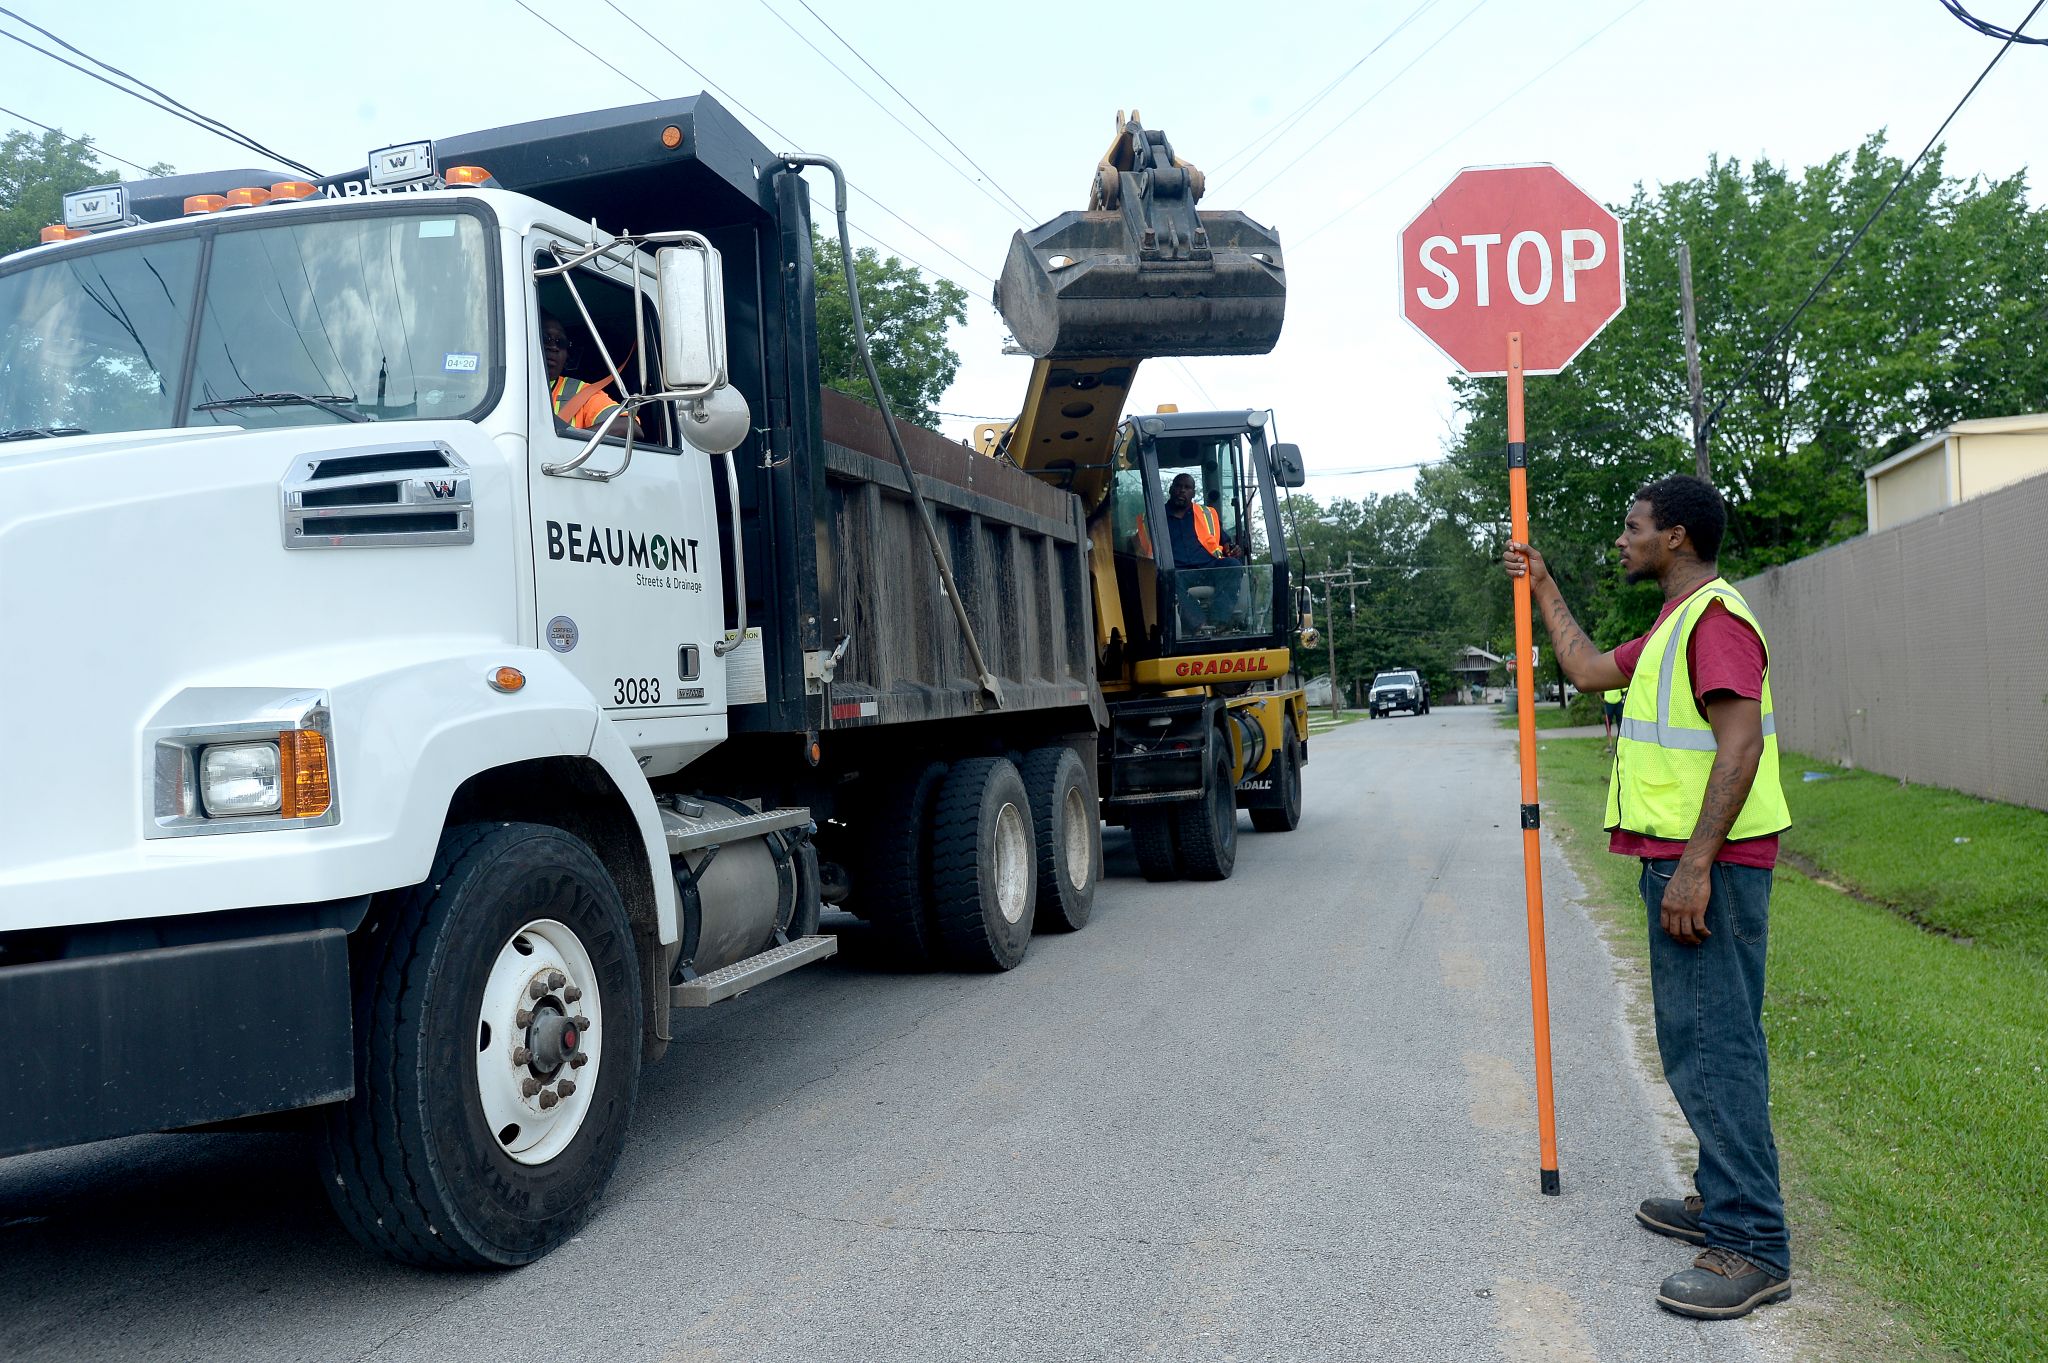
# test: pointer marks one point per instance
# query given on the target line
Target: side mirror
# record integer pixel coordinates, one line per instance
(1304, 605)
(690, 285)
(1288, 470)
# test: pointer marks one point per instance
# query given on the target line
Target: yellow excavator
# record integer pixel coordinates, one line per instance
(1193, 593)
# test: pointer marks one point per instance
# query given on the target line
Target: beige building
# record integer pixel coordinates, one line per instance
(1966, 460)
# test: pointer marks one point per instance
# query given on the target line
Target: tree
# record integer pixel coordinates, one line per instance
(906, 315)
(1417, 597)
(36, 172)
(1937, 315)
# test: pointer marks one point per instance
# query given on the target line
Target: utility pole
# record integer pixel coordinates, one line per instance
(1692, 365)
(1331, 581)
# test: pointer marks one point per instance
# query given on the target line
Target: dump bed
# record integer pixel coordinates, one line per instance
(1018, 549)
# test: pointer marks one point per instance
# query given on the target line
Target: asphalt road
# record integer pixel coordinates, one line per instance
(1286, 1117)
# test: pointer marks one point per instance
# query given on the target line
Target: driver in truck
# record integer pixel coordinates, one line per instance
(583, 406)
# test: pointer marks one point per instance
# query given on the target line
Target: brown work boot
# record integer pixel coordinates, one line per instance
(1676, 1217)
(1721, 1285)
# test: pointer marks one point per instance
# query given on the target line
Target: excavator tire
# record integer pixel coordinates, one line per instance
(1155, 840)
(1284, 814)
(1207, 828)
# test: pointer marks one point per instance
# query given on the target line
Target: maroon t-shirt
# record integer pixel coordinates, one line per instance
(1725, 655)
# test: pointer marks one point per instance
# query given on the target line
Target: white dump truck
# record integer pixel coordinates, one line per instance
(448, 627)
(377, 745)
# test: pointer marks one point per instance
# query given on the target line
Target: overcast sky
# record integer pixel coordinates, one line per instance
(1031, 94)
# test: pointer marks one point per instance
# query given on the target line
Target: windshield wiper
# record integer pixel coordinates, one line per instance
(329, 402)
(41, 432)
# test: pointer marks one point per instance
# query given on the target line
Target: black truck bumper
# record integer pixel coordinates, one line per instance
(135, 1041)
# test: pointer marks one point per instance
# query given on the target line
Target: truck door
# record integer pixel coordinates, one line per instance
(626, 569)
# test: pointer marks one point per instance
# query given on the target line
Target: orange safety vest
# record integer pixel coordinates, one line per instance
(581, 404)
(1208, 529)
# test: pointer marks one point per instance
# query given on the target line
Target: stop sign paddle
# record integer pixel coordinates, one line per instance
(1513, 270)
(1511, 249)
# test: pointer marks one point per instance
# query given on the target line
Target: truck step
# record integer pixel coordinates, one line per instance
(733, 828)
(741, 976)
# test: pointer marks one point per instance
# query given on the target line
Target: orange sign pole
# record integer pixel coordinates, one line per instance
(1525, 716)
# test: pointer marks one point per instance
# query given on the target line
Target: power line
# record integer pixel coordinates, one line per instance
(1495, 108)
(85, 142)
(1195, 381)
(1029, 216)
(893, 115)
(792, 142)
(785, 138)
(1360, 106)
(1770, 347)
(588, 50)
(1274, 134)
(1989, 29)
(165, 102)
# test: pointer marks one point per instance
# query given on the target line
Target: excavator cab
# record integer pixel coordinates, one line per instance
(1201, 563)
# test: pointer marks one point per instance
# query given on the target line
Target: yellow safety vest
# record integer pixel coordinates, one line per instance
(1666, 748)
(1613, 696)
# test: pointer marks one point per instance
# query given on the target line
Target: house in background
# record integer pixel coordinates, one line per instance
(1966, 460)
(1474, 669)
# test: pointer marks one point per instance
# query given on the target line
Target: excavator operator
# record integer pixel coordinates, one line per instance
(1207, 600)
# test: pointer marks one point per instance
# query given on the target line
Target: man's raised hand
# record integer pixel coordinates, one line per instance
(1523, 561)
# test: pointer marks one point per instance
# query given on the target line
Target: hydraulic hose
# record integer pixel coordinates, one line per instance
(796, 161)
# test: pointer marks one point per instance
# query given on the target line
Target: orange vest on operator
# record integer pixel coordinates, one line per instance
(1208, 529)
(580, 404)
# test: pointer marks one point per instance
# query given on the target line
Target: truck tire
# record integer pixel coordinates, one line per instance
(1284, 814)
(445, 1157)
(1068, 835)
(984, 873)
(1207, 830)
(894, 886)
(1155, 839)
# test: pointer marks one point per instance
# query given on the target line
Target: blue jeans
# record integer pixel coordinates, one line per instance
(1709, 1003)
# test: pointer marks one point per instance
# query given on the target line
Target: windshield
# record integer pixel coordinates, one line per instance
(381, 316)
(97, 342)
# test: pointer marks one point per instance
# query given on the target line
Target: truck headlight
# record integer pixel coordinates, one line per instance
(241, 760)
(240, 778)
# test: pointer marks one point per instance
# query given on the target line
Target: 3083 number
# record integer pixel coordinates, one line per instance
(636, 690)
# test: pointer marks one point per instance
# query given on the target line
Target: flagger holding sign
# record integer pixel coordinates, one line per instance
(1512, 271)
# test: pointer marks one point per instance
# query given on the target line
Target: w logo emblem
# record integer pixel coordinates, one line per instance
(441, 490)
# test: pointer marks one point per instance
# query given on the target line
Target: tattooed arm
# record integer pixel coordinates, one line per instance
(1584, 665)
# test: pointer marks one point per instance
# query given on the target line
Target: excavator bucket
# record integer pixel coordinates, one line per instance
(1096, 284)
(1141, 272)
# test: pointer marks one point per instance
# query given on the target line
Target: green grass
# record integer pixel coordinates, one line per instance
(1897, 844)
(1320, 722)
(1548, 716)
(1908, 1091)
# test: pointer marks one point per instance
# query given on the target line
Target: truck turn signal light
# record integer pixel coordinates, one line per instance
(57, 231)
(465, 175)
(247, 198)
(204, 203)
(292, 189)
(306, 790)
